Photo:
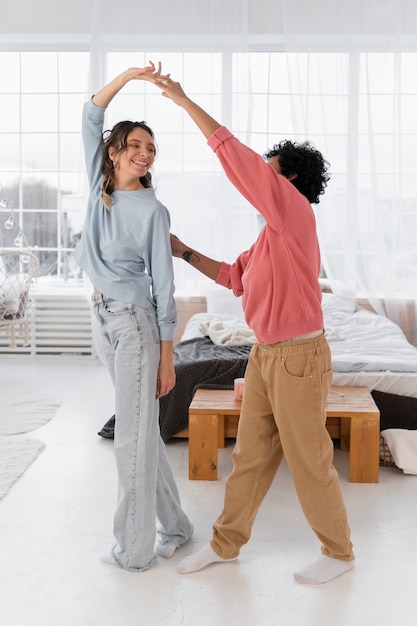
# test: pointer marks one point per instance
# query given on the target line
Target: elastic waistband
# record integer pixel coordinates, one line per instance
(313, 335)
(296, 345)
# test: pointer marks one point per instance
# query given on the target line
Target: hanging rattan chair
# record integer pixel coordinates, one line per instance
(17, 270)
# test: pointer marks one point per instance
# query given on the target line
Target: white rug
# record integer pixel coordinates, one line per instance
(25, 411)
(16, 455)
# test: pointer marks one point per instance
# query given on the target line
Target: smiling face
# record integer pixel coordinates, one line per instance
(133, 162)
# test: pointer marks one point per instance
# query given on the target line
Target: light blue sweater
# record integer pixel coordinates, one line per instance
(126, 252)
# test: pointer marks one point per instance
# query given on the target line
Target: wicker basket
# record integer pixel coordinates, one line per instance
(385, 457)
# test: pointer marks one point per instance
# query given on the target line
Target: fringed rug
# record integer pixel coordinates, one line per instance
(25, 411)
(16, 455)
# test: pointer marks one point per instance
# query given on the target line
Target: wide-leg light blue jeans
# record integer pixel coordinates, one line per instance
(146, 487)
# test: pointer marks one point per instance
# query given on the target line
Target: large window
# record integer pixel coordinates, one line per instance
(41, 163)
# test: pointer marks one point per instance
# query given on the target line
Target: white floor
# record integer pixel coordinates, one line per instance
(57, 519)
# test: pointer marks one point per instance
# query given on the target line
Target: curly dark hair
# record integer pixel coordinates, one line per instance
(117, 138)
(307, 163)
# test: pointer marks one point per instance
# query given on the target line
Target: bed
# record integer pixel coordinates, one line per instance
(367, 350)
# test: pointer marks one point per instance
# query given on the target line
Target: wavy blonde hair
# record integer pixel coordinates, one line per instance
(117, 139)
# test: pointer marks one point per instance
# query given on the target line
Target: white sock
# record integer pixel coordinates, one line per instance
(200, 559)
(322, 570)
(107, 556)
(166, 549)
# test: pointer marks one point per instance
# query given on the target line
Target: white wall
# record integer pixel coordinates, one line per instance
(264, 16)
(74, 16)
(45, 16)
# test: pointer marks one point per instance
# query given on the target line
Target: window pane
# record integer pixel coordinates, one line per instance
(10, 113)
(39, 72)
(279, 116)
(73, 70)
(70, 112)
(334, 150)
(203, 72)
(408, 114)
(260, 72)
(48, 262)
(198, 156)
(378, 73)
(39, 113)
(376, 114)
(74, 183)
(69, 269)
(409, 73)
(40, 193)
(10, 72)
(10, 232)
(71, 219)
(10, 153)
(7, 183)
(40, 152)
(71, 156)
(40, 228)
(326, 114)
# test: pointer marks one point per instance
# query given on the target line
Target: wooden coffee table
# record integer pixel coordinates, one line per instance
(352, 417)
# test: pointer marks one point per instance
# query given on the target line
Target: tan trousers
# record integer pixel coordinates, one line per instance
(283, 414)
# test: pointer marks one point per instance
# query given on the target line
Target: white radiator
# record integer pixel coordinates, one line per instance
(60, 323)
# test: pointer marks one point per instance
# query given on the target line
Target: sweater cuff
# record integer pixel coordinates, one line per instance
(218, 137)
(223, 277)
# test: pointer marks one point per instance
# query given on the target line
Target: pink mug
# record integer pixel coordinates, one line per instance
(239, 385)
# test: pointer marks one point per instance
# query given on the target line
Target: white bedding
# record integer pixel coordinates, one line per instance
(367, 349)
(366, 342)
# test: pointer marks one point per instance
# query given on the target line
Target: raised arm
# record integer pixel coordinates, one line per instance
(103, 97)
(175, 92)
(205, 265)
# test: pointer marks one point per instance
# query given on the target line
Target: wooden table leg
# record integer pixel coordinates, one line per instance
(221, 441)
(364, 450)
(345, 433)
(202, 446)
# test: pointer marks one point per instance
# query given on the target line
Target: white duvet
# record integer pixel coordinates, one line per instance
(366, 342)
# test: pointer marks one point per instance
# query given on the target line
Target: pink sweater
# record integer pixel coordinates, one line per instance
(278, 276)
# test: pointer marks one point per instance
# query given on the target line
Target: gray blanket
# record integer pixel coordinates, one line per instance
(199, 363)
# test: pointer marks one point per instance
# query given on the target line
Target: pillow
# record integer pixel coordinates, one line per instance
(403, 447)
(325, 285)
(333, 304)
(222, 301)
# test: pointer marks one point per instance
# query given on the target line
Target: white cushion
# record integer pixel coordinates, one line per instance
(222, 301)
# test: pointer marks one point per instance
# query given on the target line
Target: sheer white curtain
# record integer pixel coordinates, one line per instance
(368, 217)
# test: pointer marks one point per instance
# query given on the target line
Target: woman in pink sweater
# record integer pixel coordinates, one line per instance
(289, 372)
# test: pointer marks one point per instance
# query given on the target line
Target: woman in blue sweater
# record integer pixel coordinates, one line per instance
(125, 251)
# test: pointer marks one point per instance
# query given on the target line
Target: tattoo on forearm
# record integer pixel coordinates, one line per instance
(190, 257)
